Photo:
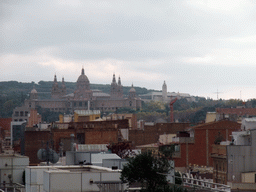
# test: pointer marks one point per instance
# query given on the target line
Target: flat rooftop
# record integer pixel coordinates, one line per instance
(76, 168)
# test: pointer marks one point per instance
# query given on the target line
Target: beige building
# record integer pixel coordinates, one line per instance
(165, 96)
(83, 97)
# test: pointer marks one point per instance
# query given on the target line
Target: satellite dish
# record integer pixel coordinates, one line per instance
(41, 154)
(48, 155)
(53, 156)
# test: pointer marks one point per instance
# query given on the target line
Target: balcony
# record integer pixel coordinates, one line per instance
(183, 139)
(219, 151)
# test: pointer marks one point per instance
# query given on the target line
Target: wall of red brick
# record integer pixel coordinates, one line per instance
(34, 139)
(197, 152)
(58, 134)
(181, 161)
(150, 134)
(98, 136)
(5, 123)
(33, 142)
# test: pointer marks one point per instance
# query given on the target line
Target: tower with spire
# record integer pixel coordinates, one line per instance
(120, 89)
(55, 94)
(58, 91)
(132, 100)
(164, 91)
(33, 94)
(116, 89)
(132, 93)
(63, 88)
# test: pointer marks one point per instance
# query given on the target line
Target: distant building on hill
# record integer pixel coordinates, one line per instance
(165, 96)
(83, 98)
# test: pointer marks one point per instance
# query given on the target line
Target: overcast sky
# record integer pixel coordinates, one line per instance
(196, 46)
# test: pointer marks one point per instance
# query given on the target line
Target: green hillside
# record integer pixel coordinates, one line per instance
(13, 93)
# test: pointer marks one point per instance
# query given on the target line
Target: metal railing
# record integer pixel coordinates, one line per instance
(189, 180)
(12, 187)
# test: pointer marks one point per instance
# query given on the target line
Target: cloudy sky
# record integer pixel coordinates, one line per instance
(196, 46)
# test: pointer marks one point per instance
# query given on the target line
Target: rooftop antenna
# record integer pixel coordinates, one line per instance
(218, 94)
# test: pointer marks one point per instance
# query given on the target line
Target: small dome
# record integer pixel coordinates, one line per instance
(132, 89)
(33, 90)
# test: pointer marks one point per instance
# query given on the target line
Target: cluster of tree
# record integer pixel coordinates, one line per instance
(150, 172)
(184, 111)
(48, 115)
(9, 101)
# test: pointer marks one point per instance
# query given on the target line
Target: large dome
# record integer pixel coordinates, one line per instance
(82, 83)
(82, 77)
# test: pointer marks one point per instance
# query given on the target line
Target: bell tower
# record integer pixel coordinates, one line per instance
(55, 89)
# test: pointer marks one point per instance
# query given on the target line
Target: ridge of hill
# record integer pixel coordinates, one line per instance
(13, 94)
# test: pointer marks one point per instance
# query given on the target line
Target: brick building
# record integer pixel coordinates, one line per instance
(102, 132)
(35, 140)
(5, 133)
(5, 127)
(196, 149)
(150, 134)
(220, 164)
(234, 163)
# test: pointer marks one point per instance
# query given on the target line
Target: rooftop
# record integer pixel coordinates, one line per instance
(75, 168)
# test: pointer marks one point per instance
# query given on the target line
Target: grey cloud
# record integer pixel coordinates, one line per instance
(139, 32)
(47, 28)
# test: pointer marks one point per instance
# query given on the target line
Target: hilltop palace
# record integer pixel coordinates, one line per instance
(84, 98)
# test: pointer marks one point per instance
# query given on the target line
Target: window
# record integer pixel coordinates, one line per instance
(177, 148)
(26, 113)
(80, 104)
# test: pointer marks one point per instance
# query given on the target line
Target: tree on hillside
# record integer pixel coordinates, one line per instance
(153, 106)
(125, 110)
